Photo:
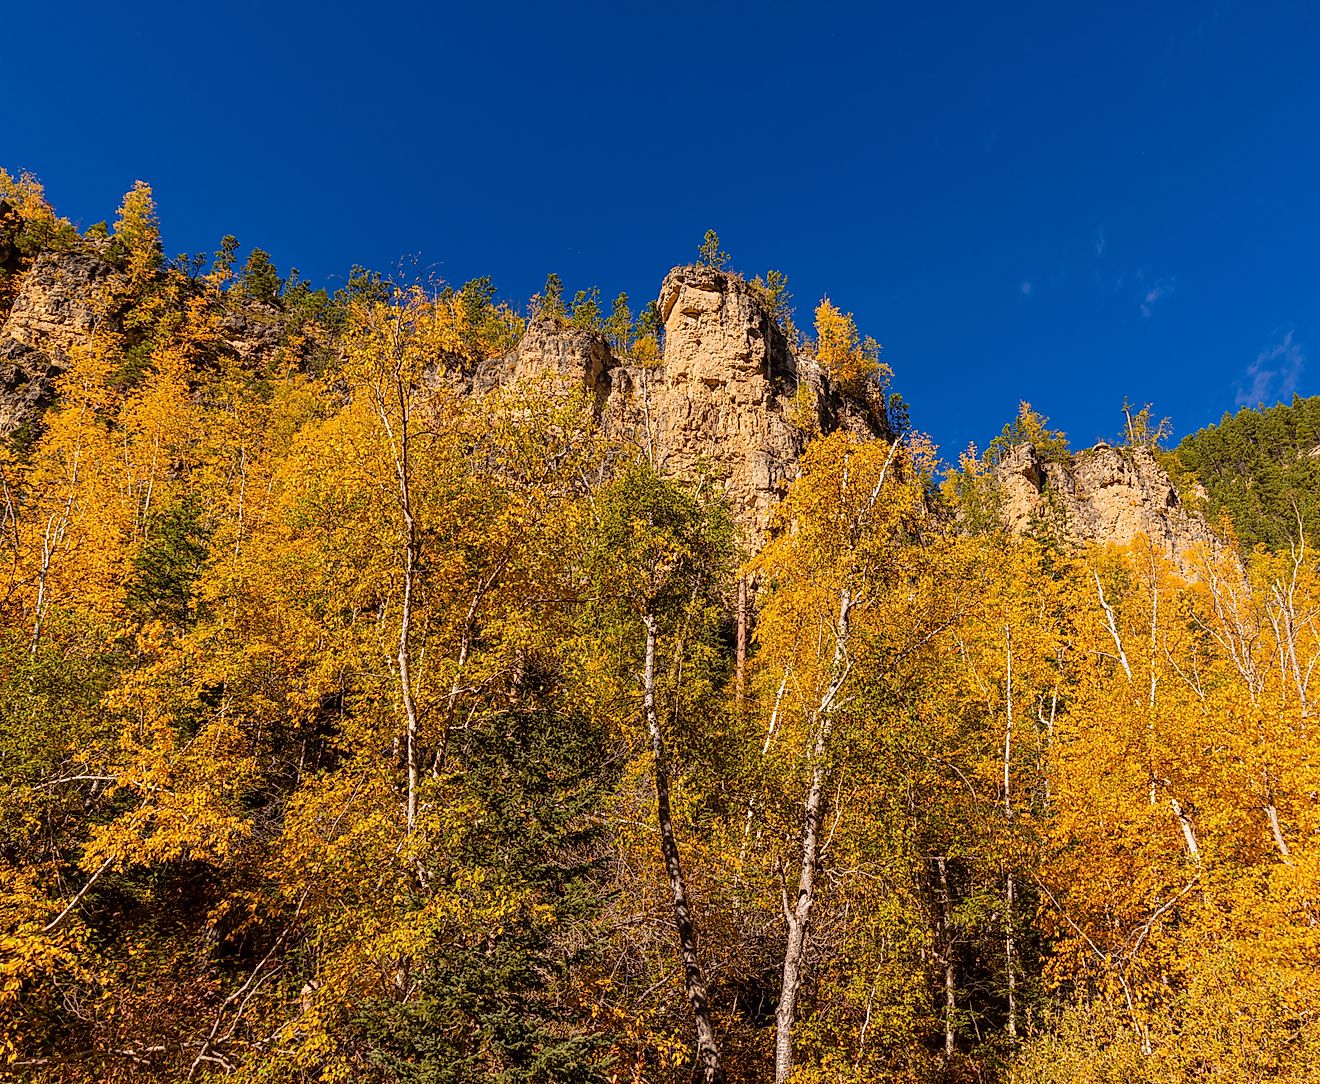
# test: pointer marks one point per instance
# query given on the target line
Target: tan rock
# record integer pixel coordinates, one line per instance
(722, 394)
(57, 302)
(580, 358)
(717, 404)
(56, 306)
(1105, 495)
(253, 331)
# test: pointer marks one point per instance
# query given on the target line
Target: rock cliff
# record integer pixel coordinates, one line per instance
(723, 399)
(1105, 494)
(56, 305)
(729, 396)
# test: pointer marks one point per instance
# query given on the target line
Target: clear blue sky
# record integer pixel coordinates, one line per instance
(1061, 202)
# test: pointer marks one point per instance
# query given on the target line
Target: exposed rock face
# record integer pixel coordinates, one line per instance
(581, 359)
(253, 332)
(721, 397)
(729, 397)
(25, 385)
(54, 308)
(719, 400)
(1106, 495)
(56, 303)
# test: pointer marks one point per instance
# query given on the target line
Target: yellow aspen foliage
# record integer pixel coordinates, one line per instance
(1179, 852)
(74, 518)
(358, 723)
(846, 360)
(137, 233)
(27, 196)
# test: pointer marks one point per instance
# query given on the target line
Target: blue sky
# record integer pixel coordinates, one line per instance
(1060, 202)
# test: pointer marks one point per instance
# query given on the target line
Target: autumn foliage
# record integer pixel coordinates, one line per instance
(359, 726)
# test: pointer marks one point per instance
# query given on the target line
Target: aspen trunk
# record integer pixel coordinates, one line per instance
(797, 913)
(1010, 958)
(50, 543)
(765, 751)
(950, 976)
(1189, 833)
(694, 979)
(1273, 814)
(401, 449)
(1010, 950)
(405, 654)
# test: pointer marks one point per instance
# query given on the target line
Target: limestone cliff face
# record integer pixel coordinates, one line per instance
(57, 302)
(1106, 494)
(720, 401)
(55, 307)
(581, 359)
(253, 331)
(729, 398)
(721, 397)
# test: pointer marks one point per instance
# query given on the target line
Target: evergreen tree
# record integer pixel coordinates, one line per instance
(500, 1007)
(709, 254)
(169, 563)
(259, 279)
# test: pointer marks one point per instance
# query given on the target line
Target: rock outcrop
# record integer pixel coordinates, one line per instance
(729, 397)
(55, 307)
(58, 301)
(253, 331)
(1105, 494)
(723, 398)
(580, 359)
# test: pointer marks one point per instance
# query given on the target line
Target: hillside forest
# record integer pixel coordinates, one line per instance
(358, 724)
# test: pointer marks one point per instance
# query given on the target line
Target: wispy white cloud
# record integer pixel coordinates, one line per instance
(1273, 375)
(1157, 293)
(1026, 287)
(1100, 242)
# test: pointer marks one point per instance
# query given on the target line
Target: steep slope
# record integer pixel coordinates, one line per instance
(56, 305)
(64, 295)
(728, 398)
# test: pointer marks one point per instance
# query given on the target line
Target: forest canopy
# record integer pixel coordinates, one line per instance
(362, 723)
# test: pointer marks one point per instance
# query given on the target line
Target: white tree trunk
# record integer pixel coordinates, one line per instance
(694, 978)
(797, 912)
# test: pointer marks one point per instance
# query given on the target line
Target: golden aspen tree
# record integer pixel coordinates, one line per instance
(137, 233)
(846, 359)
(850, 518)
